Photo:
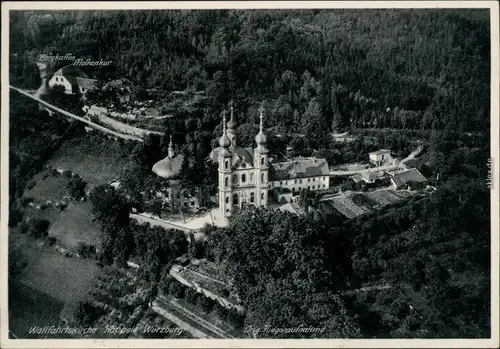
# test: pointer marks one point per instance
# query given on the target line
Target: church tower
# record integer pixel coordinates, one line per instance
(261, 163)
(171, 153)
(231, 129)
(224, 160)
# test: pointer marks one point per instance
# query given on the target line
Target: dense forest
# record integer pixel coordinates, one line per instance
(420, 71)
(391, 77)
(409, 69)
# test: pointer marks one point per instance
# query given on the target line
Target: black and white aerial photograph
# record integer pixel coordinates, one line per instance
(248, 173)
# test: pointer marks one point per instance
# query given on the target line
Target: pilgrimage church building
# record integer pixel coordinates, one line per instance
(245, 175)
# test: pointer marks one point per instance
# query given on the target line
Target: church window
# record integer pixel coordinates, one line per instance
(227, 182)
(314, 187)
(262, 196)
(235, 199)
(252, 197)
(251, 177)
(262, 160)
(262, 178)
(309, 179)
(300, 181)
(281, 183)
(226, 165)
(314, 179)
(243, 178)
(227, 199)
(235, 179)
(324, 186)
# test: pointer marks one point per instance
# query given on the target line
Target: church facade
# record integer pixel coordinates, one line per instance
(244, 173)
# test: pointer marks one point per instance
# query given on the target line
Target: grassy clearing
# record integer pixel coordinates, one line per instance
(51, 188)
(51, 286)
(51, 214)
(95, 158)
(68, 280)
(75, 225)
(29, 307)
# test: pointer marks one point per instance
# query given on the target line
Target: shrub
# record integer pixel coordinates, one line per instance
(31, 184)
(39, 228)
(234, 318)
(206, 304)
(86, 250)
(176, 289)
(15, 216)
(26, 200)
(67, 174)
(51, 241)
(87, 313)
(190, 295)
(76, 187)
(24, 227)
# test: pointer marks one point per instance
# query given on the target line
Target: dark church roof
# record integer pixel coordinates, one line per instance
(243, 154)
(239, 154)
(300, 168)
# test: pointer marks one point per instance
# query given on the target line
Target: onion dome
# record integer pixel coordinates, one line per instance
(231, 125)
(224, 141)
(261, 139)
(168, 168)
(231, 129)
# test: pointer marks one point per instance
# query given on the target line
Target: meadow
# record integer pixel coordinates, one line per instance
(95, 158)
(75, 225)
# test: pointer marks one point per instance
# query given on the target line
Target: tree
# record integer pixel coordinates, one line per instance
(186, 175)
(17, 262)
(262, 271)
(109, 207)
(336, 117)
(76, 187)
(313, 123)
(39, 227)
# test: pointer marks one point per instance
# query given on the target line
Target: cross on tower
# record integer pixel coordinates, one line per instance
(261, 109)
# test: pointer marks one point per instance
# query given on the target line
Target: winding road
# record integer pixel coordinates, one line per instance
(389, 167)
(76, 117)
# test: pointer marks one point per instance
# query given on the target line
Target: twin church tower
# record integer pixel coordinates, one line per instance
(243, 172)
